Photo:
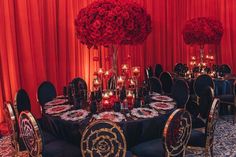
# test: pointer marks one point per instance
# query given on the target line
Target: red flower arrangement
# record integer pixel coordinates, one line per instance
(107, 22)
(202, 30)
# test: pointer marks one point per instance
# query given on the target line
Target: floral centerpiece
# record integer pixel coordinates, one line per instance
(202, 30)
(110, 22)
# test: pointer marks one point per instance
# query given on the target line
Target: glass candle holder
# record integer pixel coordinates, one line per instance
(136, 71)
(96, 83)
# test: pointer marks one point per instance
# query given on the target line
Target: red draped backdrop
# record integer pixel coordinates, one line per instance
(38, 42)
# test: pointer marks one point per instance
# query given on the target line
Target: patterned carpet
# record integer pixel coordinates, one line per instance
(224, 142)
(224, 139)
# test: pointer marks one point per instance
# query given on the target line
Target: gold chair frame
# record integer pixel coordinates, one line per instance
(211, 123)
(85, 150)
(197, 96)
(188, 129)
(36, 132)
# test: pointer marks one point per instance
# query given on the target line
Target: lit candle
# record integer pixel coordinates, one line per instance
(129, 94)
(136, 71)
(120, 81)
(107, 74)
(106, 96)
(96, 83)
(100, 72)
(124, 67)
(193, 58)
(212, 57)
(110, 93)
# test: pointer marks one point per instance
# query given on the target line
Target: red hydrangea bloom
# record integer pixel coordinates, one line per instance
(203, 30)
(107, 22)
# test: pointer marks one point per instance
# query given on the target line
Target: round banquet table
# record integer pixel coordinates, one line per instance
(135, 130)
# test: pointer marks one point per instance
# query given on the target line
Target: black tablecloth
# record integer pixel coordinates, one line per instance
(135, 131)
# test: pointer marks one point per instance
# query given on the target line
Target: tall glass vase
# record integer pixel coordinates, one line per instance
(114, 59)
(201, 56)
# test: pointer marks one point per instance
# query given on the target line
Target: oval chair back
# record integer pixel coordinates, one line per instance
(80, 87)
(166, 81)
(148, 72)
(180, 93)
(103, 138)
(158, 70)
(224, 69)
(205, 102)
(30, 134)
(177, 132)
(11, 120)
(201, 82)
(46, 92)
(211, 123)
(22, 101)
(155, 84)
(178, 68)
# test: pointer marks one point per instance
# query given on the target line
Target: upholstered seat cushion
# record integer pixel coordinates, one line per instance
(47, 137)
(198, 123)
(61, 148)
(153, 148)
(197, 139)
(128, 154)
(226, 98)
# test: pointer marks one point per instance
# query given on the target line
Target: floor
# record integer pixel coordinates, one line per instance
(224, 141)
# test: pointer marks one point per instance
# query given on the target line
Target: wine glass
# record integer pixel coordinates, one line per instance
(65, 91)
(120, 82)
(96, 83)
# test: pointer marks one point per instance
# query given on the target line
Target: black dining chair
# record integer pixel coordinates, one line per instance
(104, 138)
(158, 70)
(201, 83)
(111, 84)
(35, 141)
(178, 68)
(80, 87)
(175, 138)
(148, 72)
(229, 99)
(46, 92)
(11, 120)
(155, 84)
(167, 82)
(22, 101)
(224, 69)
(205, 102)
(180, 93)
(203, 140)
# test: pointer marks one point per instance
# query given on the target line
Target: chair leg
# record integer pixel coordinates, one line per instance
(211, 151)
(234, 110)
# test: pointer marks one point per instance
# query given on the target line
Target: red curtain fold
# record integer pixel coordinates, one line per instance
(38, 42)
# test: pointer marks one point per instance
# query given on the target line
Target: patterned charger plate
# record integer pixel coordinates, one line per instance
(58, 109)
(144, 113)
(56, 102)
(75, 115)
(162, 105)
(153, 93)
(162, 98)
(113, 116)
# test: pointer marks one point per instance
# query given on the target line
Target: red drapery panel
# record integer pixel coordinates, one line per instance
(38, 42)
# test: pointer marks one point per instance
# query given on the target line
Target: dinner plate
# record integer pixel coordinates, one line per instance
(153, 93)
(113, 116)
(56, 102)
(144, 113)
(75, 115)
(162, 105)
(162, 98)
(57, 109)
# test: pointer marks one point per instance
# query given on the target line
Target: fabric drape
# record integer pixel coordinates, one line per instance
(38, 42)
